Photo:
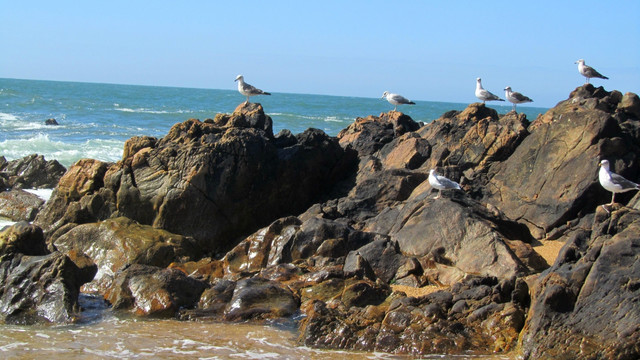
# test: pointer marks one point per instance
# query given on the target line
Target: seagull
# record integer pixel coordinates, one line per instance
(614, 182)
(588, 72)
(248, 90)
(483, 94)
(441, 183)
(515, 97)
(396, 100)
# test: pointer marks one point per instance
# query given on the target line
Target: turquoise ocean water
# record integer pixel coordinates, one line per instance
(96, 119)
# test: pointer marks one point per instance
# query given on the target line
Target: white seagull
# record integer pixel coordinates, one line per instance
(441, 183)
(483, 94)
(614, 182)
(588, 72)
(396, 100)
(248, 90)
(515, 97)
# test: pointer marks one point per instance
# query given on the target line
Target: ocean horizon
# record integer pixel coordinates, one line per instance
(96, 119)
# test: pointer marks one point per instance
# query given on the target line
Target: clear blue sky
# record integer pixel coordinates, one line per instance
(425, 50)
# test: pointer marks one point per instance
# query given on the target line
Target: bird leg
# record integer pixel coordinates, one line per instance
(438, 196)
(613, 198)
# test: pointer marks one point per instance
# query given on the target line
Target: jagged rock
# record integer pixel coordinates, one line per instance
(31, 171)
(370, 134)
(117, 243)
(213, 183)
(551, 177)
(586, 304)
(19, 205)
(152, 291)
(35, 285)
(464, 232)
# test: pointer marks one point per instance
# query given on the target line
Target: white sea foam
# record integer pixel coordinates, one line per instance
(151, 111)
(8, 117)
(65, 153)
(44, 194)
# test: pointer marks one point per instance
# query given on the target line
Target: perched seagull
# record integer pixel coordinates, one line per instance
(396, 100)
(483, 94)
(614, 182)
(248, 90)
(441, 183)
(588, 72)
(515, 97)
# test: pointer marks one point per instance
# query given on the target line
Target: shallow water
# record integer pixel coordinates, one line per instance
(101, 334)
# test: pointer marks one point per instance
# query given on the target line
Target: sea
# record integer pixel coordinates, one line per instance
(94, 121)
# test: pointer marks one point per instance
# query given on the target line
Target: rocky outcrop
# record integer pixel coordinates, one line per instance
(213, 181)
(29, 172)
(551, 178)
(35, 285)
(586, 305)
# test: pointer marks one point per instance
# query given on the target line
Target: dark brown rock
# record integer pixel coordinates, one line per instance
(258, 298)
(31, 171)
(152, 291)
(585, 305)
(117, 243)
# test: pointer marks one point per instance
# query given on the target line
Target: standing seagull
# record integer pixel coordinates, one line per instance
(614, 182)
(483, 94)
(588, 72)
(396, 100)
(515, 97)
(248, 90)
(441, 183)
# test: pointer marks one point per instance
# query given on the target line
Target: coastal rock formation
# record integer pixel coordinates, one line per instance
(35, 285)
(586, 305)
(19, 205)
(550, 179)
(117, 243)
(29, 172)
(209, 180)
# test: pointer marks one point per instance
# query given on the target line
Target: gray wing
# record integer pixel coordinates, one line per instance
(401, 99)
(592, 73)
(486, 95)
(520, 97)
(253, 90)
(622, 182)
(449, 184)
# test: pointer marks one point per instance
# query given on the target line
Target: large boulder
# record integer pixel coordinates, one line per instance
(211, 182)
(117, 243)
(551, 177)
(586, 305)
(152, 291)
(35, 285)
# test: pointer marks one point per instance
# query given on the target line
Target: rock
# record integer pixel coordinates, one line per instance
(368, 135)
(585, 305)
(117, 243)
(51, 122)
(463, 231)
(23, 238)
(31, 171)
(380, 256)
(19, 205)
(232, 175)
(257, 298)
(551, 177)
(35, 285)
(152, 291)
